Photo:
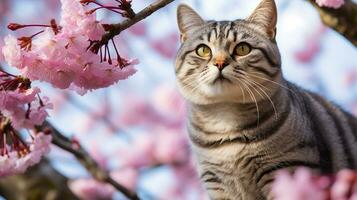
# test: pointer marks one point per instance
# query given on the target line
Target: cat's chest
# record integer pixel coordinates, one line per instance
(235, 170)
(220, 122)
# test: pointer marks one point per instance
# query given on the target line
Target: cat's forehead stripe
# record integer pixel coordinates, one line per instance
(223, 30)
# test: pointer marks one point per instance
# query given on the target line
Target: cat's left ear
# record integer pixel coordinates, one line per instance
(187, 20)
(265, 16)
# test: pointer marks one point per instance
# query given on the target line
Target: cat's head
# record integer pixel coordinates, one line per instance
(228, 61)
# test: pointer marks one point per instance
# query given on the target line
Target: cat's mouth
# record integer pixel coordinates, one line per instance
(221, 79)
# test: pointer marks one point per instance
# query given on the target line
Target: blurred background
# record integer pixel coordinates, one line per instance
(136, 129)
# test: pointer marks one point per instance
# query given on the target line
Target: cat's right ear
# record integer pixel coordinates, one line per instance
(187, 20)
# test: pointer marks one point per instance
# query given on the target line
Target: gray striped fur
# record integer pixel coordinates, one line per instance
(247, 127)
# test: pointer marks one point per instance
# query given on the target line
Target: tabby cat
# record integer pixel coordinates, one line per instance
(245, 120)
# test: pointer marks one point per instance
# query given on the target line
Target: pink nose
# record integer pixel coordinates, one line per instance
(220, 62)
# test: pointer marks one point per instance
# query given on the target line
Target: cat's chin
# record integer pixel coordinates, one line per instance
(222, 91)
(215, 92)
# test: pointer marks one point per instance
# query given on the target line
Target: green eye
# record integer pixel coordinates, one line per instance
(242, 49)
(203, 51)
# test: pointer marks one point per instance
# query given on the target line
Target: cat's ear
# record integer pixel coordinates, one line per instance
(265, 16)
(187, 20)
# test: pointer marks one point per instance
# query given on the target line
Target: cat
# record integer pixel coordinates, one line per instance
(245, 121)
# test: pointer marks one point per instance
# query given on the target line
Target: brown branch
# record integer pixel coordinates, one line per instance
(39, 182)
(87, 161)
(116, 29)
(343, 20)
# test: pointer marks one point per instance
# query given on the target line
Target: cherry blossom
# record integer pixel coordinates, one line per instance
(18, 156)
(21, 107)
(330, 3)
(21, 104)
(76, 21)
(91, 189)
(171, 147)
(141, 156)
(303, 184)
(61, 55)
(311, 47)
(165, 45)
(128, 177)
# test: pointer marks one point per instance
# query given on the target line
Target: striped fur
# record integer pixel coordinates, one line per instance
(252, 123)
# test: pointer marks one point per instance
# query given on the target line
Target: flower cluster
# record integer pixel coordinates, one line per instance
(61, 54)
(21, 104)
(304, 185)
(330, 3)
(21, 107)
(19, 155)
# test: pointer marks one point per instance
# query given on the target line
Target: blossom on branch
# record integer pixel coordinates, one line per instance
(330, 3)
(21, 104)
(21, 107)
(63, 56)
(91, 189)
(20, 155)
(305, 185)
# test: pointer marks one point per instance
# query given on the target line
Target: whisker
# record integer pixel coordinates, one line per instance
(259, 86)
(239, 84)
(251, 94)
(272, 82)
(201, 79)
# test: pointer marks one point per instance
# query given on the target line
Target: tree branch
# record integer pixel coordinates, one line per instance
(116, 29)
(343, 20)
(87, 161)
(39, 182)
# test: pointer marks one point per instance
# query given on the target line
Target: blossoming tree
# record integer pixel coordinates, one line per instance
(78, 53)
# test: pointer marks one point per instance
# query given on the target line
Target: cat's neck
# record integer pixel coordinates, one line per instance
(227, 115)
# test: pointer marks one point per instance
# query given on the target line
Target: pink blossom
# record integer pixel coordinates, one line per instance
(167, 107)
(128, 177)
(171, 147)
(13, 162)
(330, 3)
(62, 58)
(169, 104)
(312, 46)
(165, 45)
(304, 185)
(98, 156)
(90, 189)
(297, 187)
(23, 108)
(12, 52)
(345, 180)
(140, 156)
(137, 112)
(7, 164)
(186, 183)
(75, 20)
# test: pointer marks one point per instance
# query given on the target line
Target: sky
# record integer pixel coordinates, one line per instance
(331, 71)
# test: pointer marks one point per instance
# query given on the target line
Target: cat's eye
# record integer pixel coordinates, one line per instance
(242, 49)
(203, 51)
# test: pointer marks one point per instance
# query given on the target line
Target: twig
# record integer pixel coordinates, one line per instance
(116, 29)
(343, 20)
(87, 161)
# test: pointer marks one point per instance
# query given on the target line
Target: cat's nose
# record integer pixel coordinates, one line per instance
(220, 63)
